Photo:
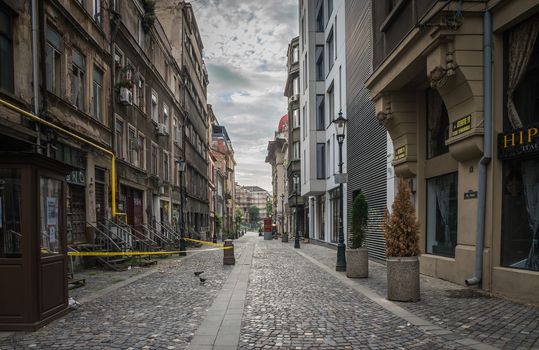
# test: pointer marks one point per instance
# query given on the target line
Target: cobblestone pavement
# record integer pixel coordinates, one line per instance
(293, 304)
(159, 311)
(489, 319)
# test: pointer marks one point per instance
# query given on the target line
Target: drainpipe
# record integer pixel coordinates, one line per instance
(487, 147)
(35, 73)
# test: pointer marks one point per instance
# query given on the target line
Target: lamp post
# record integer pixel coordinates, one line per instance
(296, 185)
(282, 214)
(340, 125)
(181, 169)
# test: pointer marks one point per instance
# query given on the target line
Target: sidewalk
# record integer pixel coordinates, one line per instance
(461, 310)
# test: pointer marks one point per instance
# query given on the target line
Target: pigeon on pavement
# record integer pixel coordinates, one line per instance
(198, 273)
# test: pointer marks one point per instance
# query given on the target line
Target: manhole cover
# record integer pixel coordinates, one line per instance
(466, 294)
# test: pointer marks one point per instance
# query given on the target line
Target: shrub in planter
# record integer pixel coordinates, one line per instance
(357, 256)
(401, 232)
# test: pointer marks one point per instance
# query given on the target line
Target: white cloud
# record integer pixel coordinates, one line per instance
(245, 44)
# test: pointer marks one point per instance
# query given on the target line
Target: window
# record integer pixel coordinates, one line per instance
(119, 59)
(336, 37)
(437, 124)
(165, 116)
(335, 203)
(305, 73)
(328, 150)
(320, 160)
(295, 86)
(50, 195)
(520, 192)
(330, 50)
(10, 221)
(153, 159)
(119, 146)
(77, 80)
(442, 215)
(304, 123)
(97, 11)
(133, 146)
(166, 166)
(320, 24)
(140, 34)
(320, 118)
(141, 151)
(53, 61)
(295, 54)
(331, 104)
(330, 7)
(296, 151)
(154, 109)
(6, 51)
(295, 118)
(319, 52)
(176, 131)
(97, 94)
(303, 33)
(321, 217)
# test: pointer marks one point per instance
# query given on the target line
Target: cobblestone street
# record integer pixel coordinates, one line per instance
(276, 297)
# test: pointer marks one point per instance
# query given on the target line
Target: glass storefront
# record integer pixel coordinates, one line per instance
(50, 191)
(442, 215)
(10, 213)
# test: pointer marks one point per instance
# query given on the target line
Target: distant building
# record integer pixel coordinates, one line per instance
(277, 151)
(249, 196)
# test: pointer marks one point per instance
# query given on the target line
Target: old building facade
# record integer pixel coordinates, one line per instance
(452, 85)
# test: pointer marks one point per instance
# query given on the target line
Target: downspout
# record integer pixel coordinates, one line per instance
(487, 147)
(35, 77)
(114, 24)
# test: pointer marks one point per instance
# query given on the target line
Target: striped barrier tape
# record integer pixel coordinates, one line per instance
(144, 253)
(204, 242)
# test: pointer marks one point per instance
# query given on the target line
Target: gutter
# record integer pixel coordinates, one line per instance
(39, 120)
(487, 149)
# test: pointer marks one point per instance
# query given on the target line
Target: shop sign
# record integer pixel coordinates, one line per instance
(462, 125)
(76, 177)
(400, 153)
(519, 142)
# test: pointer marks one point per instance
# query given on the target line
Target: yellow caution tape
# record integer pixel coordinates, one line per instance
(204, 242)
(143, 253)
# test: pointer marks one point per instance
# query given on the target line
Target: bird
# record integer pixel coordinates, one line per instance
(198, 273)
(202, 280)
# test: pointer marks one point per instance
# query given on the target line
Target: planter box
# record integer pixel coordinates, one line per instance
(357, 263)
(403, 278)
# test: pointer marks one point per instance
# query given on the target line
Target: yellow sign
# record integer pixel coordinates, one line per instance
(519, 142)
(400, 153)
(461, 125)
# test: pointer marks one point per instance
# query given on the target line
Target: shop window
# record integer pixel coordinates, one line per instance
(335, 207)
(10, 213)
(442, 215)
(50, 201)
(437, 124)
(6, 50)
(322, 218)
(520, 193)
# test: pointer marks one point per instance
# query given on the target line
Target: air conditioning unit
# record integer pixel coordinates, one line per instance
(161, 129)
(126, 96)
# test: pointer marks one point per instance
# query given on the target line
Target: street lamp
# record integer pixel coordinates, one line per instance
(340, 124)
(181, 169)
(296, 185)
(282, 213)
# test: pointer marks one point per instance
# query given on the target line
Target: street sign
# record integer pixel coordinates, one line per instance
(341, 178)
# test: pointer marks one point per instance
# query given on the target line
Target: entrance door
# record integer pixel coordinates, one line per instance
(134, 208)
(100, 195)
(76, 214)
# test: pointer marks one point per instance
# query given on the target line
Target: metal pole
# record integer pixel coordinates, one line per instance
(296, 241)
(341, 257)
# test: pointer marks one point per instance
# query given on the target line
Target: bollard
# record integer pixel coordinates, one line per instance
(228, 254)
(284, 237)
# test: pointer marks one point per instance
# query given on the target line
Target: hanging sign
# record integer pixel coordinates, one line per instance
(462, 125)
(400, 153)
(519, 142)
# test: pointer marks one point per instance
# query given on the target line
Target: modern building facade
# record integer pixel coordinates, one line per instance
(369, 162)
(322, 96)
(295, 203)
(453, 84)
(277, 149)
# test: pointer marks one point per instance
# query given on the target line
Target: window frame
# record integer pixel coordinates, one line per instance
(81, 77)
(97, 106)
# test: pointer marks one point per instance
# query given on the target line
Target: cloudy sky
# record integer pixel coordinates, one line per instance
(245, 43)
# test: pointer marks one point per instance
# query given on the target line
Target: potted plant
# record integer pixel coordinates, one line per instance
(401, 232)
(357, 256)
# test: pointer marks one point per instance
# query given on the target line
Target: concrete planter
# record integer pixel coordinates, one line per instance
(403, 278)
(357, 263)
(284, 237)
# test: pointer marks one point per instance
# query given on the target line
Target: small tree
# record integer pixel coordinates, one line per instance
(360, 217)
(269, 208)
(254, 214)
(401, 229)
(218, 223)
